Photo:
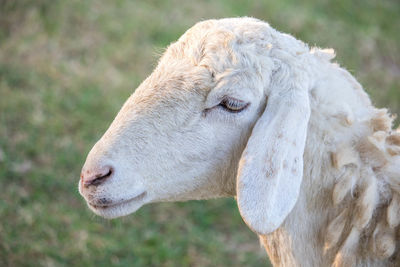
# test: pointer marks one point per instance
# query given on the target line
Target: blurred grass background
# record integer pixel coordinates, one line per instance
(66, 67)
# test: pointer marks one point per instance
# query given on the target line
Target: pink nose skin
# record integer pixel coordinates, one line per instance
(95, 177)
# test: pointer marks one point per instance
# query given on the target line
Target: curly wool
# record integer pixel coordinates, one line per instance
(369, 189)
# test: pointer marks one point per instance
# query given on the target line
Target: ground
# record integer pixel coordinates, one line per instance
(66, 67)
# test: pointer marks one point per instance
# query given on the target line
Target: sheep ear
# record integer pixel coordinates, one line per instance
(271, 168)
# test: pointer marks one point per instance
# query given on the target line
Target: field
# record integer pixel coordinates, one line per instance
(66, 67)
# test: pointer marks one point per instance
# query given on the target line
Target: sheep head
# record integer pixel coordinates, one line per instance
(201, 120)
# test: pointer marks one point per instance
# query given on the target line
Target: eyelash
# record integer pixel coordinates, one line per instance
(233, 105)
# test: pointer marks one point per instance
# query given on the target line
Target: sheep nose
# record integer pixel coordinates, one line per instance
(95, 177)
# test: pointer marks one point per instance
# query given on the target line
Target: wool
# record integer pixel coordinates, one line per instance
(375, 161)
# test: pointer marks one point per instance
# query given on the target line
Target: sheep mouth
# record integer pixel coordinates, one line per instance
(103, 205)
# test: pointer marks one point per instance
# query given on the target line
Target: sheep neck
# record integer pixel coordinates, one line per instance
(339, 222)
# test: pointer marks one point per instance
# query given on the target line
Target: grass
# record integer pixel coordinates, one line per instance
(66, 67)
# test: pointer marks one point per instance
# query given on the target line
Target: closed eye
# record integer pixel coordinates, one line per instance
(233, 105)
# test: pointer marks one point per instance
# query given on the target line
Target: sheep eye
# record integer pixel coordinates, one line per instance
(233, 105)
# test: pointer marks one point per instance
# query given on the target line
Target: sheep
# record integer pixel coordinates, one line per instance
(238, 109)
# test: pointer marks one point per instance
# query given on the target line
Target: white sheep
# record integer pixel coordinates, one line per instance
(234, 108)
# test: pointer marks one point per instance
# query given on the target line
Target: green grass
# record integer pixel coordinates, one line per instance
(66, 67)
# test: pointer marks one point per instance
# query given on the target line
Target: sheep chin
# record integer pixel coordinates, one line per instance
(120, 209)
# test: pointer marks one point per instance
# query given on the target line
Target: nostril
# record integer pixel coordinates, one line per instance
(98, 178)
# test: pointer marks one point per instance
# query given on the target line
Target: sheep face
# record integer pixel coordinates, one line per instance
(181, 134)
